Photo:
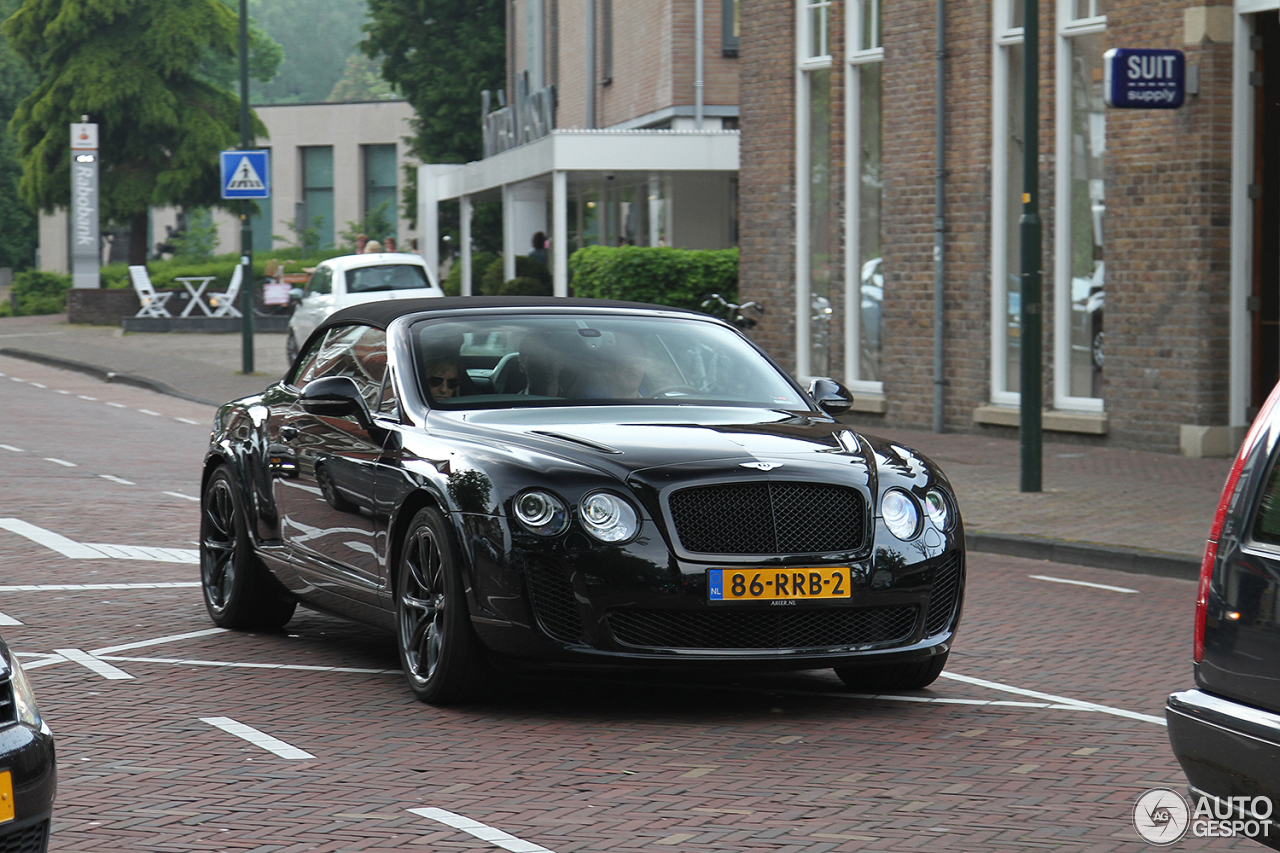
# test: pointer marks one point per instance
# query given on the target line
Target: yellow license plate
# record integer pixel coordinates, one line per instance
(777, 584)
(6, 796)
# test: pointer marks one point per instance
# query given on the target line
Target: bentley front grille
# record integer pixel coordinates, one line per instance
(554, 603)
(757, 629)
(769, 518)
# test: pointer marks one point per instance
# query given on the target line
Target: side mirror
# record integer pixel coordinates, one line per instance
(295, 295)
(336, 397)
(832, 397)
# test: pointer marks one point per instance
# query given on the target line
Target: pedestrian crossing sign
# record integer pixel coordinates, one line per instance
(246, 174)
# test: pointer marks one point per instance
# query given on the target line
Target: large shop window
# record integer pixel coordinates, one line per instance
(380, 186)
(1080, 191)
(813, 190)
(1006, 202)
(864, 195)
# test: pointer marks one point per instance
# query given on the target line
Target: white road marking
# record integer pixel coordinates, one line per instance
(483, 831)
(82, 587)
(159, 641)
(38, 385)
(92, 551)
(61, 391)
(116, 405)
(64, 463)
(1049, 697)
(11, 448)
(8, 620)
(121, 480)
(149, 412)
(1107, 587)
(17, 379)
(181, 495)
(92, 663)
(87, 397)
(296, 667)
(257, 738)
(187, 421)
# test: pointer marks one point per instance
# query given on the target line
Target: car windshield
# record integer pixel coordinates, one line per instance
(593, 359)
(386, 277)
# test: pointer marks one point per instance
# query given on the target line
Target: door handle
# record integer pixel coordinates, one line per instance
(288, 433)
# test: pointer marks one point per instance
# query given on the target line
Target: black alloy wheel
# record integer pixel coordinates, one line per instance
(237, 591)
(439, 652)
(893, 676)
(330, 492)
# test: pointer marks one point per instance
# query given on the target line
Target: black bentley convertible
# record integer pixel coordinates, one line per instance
(561, 480)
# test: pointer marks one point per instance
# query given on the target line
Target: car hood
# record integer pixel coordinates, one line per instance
(650, 440)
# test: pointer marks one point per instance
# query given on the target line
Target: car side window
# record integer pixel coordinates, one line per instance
(1266, 524)
(307, 363)
(359, 352)
(321, 282)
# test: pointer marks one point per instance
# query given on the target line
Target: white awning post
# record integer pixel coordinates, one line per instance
(429, 214)
(560, 233)
(464, 247)
(509, 243)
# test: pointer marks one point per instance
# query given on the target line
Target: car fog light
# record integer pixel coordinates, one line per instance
(542, 513)
(901, 515)
(608, 518)
(937, 508)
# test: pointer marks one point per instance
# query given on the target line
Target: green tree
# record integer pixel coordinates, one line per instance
(135, 68)
(317, 37)
(440, 54)
(361, 81)
(18, 235)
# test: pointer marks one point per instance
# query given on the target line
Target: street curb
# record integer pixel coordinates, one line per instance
(1119, 557)
(104, 375)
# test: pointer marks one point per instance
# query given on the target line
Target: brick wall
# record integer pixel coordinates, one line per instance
(766, 207)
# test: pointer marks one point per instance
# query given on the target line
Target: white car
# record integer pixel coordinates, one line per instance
(352, 279)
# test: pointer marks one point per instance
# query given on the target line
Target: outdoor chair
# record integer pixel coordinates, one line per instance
(224, 304)
(153, 303)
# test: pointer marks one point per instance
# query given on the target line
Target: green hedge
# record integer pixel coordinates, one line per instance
(36, 292)
(491, 283)
(452, 284)
(681, 278)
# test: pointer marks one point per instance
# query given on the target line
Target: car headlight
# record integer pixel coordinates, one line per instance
(542, 513)
(608, 518)
(23, 696)
(900, 513)
(938, 508)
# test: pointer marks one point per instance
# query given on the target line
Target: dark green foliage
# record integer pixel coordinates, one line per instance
(440, 54)
(136, 69)
(36, 292)
(681, 278)
(525, 287)
(480, 261)
(18, 234)
(526, 267)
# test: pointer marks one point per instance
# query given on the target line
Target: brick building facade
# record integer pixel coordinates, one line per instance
(1162, 223)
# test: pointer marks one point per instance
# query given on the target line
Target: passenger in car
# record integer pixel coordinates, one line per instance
(543, 365)
(620, 374)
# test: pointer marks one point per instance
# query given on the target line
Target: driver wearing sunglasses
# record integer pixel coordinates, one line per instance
(443, 376)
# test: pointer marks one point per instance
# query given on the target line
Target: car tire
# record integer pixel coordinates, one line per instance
(440, 653)
(330, 492)
(291, 347)
(893, 676)
(238, 592)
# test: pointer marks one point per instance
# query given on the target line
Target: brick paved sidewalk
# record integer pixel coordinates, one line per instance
(1109, 508)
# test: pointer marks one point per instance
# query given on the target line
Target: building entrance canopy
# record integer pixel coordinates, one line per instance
(682, 167)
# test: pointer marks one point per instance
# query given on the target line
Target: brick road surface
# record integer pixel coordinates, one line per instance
(572, 761)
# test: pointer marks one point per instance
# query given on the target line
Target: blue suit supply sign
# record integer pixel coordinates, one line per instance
(1144, 79)
(245, 174)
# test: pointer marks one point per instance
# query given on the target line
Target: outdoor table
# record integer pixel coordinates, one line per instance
(195, 285)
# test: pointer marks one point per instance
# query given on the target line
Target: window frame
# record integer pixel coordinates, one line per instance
(729, 21)
(805, 63)
(1005, 36)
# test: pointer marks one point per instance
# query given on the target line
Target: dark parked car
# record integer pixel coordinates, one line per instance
(573, 481)
(1226, 731)
(28, 772)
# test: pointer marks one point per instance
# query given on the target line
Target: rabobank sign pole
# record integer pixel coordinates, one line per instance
(86, 244)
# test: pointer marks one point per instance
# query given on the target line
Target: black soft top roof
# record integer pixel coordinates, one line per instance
(381, 312)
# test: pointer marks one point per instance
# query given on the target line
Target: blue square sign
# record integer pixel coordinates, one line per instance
(1144, 79)
(246, 174)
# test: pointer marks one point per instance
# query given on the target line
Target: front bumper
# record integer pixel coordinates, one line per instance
(28, 754)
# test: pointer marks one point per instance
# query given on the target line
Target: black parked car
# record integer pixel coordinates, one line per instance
(1226, 731)
(28, 771)
(565, 480)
